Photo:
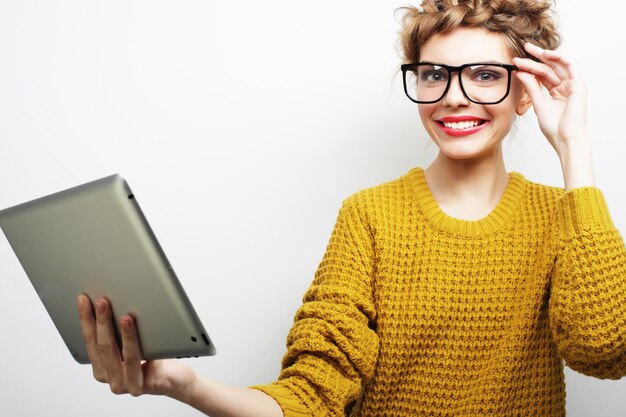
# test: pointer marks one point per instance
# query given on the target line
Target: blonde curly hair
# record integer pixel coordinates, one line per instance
(519, 21)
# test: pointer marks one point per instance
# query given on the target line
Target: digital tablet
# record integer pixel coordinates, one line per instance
(94, 239)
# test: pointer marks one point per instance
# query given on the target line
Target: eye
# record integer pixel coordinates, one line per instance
(433, 75)
(487, 76)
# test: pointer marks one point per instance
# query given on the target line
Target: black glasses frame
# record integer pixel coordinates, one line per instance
(451, 69)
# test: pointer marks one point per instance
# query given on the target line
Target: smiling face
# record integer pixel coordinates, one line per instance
(460, 128)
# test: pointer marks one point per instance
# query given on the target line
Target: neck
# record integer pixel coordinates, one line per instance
(483, 179)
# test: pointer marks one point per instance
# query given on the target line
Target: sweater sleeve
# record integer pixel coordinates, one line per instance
(588, 299)
(332, 347)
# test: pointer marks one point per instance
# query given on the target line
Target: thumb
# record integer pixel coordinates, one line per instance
(533, 88)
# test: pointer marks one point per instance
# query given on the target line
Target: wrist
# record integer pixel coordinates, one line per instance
(187, 392)
(216, 399)
(577, 163)
(172, 378)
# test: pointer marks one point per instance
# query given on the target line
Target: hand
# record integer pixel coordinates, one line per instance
(124, 370)
(562, 115)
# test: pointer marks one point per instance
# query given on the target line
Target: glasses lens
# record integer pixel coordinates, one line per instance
(485, 83)
(426, 82)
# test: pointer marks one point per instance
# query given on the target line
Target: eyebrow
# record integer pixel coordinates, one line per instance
(490, 61)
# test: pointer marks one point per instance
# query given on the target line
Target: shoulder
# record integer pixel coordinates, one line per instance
(540, 203)
(382, 201)
(383, 194)
(537, 193)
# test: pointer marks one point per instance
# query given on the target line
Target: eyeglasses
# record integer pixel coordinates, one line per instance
(481, 83)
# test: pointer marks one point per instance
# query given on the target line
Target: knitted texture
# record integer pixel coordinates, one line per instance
(413, 312)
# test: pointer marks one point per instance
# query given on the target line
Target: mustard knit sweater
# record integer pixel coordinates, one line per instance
(416, 313)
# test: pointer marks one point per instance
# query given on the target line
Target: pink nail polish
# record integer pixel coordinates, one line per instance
(125, 324)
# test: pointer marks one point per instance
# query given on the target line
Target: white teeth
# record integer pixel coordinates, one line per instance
(461, 125)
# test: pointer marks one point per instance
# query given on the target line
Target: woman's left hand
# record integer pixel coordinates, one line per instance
(562, 115)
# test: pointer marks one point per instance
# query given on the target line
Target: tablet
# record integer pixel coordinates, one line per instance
(94, 239)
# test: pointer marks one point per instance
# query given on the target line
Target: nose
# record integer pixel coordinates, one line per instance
(454, 96)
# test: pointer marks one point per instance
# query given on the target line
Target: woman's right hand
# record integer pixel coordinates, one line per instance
(124, 370)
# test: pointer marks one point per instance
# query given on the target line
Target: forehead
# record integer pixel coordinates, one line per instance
(466, 45)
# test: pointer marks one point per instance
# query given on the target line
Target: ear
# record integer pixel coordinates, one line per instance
(524, 103)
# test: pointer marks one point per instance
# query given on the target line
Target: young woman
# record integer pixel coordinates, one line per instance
(455, 290)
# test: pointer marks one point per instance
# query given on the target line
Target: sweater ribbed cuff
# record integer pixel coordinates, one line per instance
(287, 401)
(584, 208)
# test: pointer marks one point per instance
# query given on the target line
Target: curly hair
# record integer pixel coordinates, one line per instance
(519, 21)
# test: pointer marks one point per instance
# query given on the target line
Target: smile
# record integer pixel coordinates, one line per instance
(461, 126)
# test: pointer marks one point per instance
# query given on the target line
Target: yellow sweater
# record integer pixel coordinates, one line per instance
(416, 313)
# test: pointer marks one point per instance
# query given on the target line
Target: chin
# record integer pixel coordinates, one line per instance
(461, 156)
(465, 148)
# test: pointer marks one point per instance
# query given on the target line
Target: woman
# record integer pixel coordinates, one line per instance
(455, 290)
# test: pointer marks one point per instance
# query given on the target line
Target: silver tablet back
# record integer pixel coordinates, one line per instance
(94, 239)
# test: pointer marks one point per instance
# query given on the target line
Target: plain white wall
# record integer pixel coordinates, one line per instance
(241, 126)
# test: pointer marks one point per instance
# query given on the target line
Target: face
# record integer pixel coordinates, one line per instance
(460, 128)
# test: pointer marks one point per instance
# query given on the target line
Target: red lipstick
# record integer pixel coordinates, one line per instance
(461, 132)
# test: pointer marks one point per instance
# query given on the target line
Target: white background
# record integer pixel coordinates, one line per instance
(241, 127)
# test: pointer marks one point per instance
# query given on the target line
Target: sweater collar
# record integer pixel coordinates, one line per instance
(498, 219)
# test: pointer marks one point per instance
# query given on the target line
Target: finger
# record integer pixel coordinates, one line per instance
(88, 327)
(571, 68)
(575, 83)
(533, 88)
(132, 356)
(569, 65)
(108, 349)
(548, 76)
(548, 57)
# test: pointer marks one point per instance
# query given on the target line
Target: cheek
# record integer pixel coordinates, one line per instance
(503, 115)
(505, 111)
(426, 111)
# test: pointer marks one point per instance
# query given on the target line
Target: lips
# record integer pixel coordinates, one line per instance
(461, 125)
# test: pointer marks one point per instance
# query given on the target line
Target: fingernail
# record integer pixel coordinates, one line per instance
(125, 322)
(101, 306)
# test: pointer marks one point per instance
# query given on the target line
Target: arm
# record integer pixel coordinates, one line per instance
(169, 377)
(588, 300)
(332, 347)
(562, 116)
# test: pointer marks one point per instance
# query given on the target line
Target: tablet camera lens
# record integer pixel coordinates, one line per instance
(194, 339)
(131, 196)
